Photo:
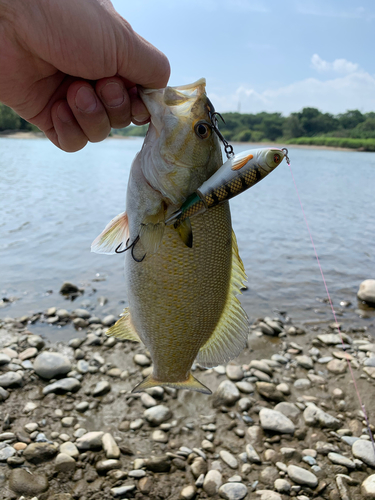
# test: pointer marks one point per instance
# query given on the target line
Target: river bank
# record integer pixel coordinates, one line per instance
(283, 421)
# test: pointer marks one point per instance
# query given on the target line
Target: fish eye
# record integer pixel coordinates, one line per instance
(202, 130)
(276, 158)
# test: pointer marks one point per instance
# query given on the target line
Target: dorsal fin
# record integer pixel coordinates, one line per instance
(115, 233)
(230, 335)
(123, 329)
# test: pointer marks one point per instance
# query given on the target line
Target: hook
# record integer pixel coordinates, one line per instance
(286, 155)
(132, 246)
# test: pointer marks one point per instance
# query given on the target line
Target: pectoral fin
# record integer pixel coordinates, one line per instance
(230, 335)
(123, 329)
(185, 232)
(152, 231)
(191, 384)
(115, 233)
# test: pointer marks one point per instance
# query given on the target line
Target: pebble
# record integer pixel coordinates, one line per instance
(37, 453)
(82, 407)
(63, 385)
(282, 486)
(212, 482)
(51, 364)
(337, 366)
(27, 483)
(188, 493)
(70, 449)
(4, 359)
(314, 416)
(3, 394)
(6, 453)
(109, 320)
(10, 379)
(338, 459)
(245, 387)
(141, 360)
(302, 476)
(252, 455)
(136, 424)
(226, 394)
(366, 291)
(330, 338)
(302, 384)
(229, 459)
(269, 495)
(157, 414)
(290, 410)
(147, 400)
(90, 441)
(160, 436)
(233, 491)
(64, 463)
(158, 464)
(198, 467)
(364, 451)
(305, 362)
(368, 487)
(123, 491)
(68, 421)
(101, 388)
(275, 421)
(234, 372)
(110, 447)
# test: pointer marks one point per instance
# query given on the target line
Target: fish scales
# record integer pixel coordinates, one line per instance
(177, 308)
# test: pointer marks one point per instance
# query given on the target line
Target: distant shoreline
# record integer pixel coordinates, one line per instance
(22, 134)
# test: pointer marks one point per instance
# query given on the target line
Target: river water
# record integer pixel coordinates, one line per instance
(53, 204)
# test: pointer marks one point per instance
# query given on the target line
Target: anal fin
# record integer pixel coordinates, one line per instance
(123, 329)
(191, 384)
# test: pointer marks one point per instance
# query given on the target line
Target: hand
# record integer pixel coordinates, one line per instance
(71, 68)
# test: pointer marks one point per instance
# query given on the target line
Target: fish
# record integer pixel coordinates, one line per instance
(182, 283)
(235, 176)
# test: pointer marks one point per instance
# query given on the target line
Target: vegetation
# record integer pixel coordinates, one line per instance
(352, 129)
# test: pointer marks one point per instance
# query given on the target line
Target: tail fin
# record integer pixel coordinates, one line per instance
(191, 384)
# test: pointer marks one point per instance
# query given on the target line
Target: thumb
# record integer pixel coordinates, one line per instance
(140, 62)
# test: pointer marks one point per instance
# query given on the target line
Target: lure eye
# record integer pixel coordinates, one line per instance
(276, 158)
(202, 130)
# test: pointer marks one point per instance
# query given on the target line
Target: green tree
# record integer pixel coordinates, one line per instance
(9, 120)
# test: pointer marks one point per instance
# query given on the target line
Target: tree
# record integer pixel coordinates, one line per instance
(9, 120)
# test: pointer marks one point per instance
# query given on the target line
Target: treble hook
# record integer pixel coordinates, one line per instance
(132, 246)
(286, 155)
(227, 147)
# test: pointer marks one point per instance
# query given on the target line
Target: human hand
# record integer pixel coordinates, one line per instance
(71, 68)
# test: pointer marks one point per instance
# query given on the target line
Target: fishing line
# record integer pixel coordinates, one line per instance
(333, 312)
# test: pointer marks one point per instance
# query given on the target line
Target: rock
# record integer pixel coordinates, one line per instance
(109, 320)
(29, 353)
(226, 394)
(157, 414)
(81, 313)
(159, 436)
(158, 464)
(302, 476)
(90, 441)
(330, 338)
(255, 435)
(290, 410)
(6, 453)
(101, 388)
(3, 394)
(366, 292)
(123, 491)
(62, 386)
(234, 372)
(4, 359)
(337, 366)
(269, 475)
(103, 466)
(69, 449)
(245, 387)
(64, 463)
(10, 379)
(37, 453)
(364, 451)
(269, 391)
(229, 459)
(68, 288)
(26, 483)
(305, 362)
(370, 371)
(51, 364)
(188, 493)
(212, 482)
(198, 467)
(266, 329)
(233, 491)
(141, 360)
(338, 459)
(252, 455)
(368, 487)
(68, 421)
(147, 400)
(270, 495)
(110, 447)
(282, 486)
(138, 473)
(302, 384)
(275, 421)
(314, 416)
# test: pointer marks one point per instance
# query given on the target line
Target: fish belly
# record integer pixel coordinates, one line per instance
(177, 295)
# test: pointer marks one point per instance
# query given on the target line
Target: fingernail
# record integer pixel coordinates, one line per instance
(141, 118)
(112, 95)
(64, 113)
(86, 100)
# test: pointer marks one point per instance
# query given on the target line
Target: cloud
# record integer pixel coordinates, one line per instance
(355, 90)
(338, 65)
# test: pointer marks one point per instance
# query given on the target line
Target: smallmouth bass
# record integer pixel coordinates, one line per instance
(182, 282)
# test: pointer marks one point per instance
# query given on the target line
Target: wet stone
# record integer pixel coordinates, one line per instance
(103, 466)
(364, 451)
(245, 387)
(269, 391)
(368, 487)
(198, 467)
(188, 493)
(10, 379)
(147, 400)
(6, 453)
(160, 436)
(109, 320)
(305, 362)
(3, 394)
(82, 407)
(337, 366)
(51, 364)
(212, 482)
(4, 359)
(25, 483)
(158, 464)
(234, 372)
(123, 491)
(252, 455)
(233, 491)
(69, 448)
(101, 388)
(338, 459)
(314, 416)
(64, 463)
(282, 486)
(229, 459)
(90, 441)
(141, 360)
(110, 447)
(37, 453)
(290, 410)
(275, 421)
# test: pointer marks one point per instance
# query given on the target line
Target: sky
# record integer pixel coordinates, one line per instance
(266, 55)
